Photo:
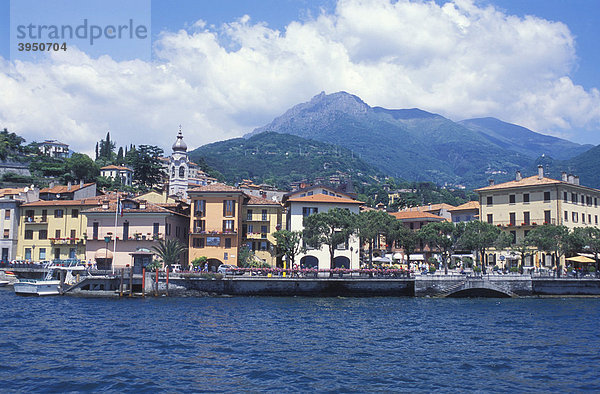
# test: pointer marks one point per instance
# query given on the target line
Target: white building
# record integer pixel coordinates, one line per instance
(179, 168)
(346, 255)
(125, 174)
(54, 148)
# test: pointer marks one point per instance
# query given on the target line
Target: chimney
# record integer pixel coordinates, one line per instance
(518, 176)
(69, 185)
(81, 183)
(564, 176)
(142, 204)
(570, 178)
(576, 180)
(540, 172)
(104, 204)
(491, 181)
(51, 185)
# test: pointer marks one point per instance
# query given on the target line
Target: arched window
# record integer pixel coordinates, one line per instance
(173, 171)
(182, 172)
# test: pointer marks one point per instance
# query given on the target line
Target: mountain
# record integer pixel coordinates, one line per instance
(523, 140)
(280, 159)
(418, 145)
(585, 165)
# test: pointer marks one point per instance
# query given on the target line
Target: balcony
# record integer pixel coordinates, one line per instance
(198, 231)
(531, 223)
(33, 220)
(65, 241)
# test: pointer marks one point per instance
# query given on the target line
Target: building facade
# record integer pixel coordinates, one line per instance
(113, 237)
(54, 148)
(346, 255)
(124, 174)
(179, 168)
(216, 223)
(260, 219)
(520, 205)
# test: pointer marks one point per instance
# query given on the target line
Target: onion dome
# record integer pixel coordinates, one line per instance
(179, 145)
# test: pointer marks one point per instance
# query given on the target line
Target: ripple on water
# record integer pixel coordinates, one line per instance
(298, 344)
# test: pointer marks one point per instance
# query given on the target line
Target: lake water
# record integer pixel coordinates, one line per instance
(298, 344)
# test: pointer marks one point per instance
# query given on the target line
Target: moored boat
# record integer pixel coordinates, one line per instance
(38, 287)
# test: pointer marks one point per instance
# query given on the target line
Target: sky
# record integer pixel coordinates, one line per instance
(222, 68)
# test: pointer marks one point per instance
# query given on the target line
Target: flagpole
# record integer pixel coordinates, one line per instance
(115, 242)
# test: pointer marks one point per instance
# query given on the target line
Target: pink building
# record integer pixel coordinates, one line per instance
(138, 228)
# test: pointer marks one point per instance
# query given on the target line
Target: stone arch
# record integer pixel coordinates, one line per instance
(341, 262)
(309, 262)
(213, 264)
(479, 292)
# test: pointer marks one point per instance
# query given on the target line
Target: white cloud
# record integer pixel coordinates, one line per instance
(460, 59)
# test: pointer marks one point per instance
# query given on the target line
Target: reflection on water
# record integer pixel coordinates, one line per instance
(299, 344)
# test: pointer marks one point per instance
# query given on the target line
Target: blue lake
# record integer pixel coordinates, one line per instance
(58, 344)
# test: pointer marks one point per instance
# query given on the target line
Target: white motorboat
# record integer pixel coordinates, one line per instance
(48, 285)
(4, 283)
(38, 287)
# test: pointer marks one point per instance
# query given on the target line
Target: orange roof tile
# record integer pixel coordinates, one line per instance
(325, 199)
(467, 206)
(429, 207)
(64, 188)
(215, 188)
(255, 200)
(415, 215)
(529, 181)
(114, 167)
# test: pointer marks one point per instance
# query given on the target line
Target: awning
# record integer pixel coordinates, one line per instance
(414, 257)
(398, 256)
(103, 254)
(581, 259)
(382, 260)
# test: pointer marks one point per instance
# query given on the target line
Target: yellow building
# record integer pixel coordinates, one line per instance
(520, 205)
(51, 230)
(215, 223)
(260, 219)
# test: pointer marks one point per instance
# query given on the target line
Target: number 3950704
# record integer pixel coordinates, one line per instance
(41, 46)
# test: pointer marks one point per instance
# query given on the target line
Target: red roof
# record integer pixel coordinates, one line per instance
(323, 198)
(255, 200)
(415, 215)
(215, 188)
(64, 188)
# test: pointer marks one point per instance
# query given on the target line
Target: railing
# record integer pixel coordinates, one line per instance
(516, 223)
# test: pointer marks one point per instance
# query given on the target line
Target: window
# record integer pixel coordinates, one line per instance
(490, 218)
(263, 245)
(173, 172)
(264, 230)
(75, 213)
(526, 198)
(566, 216)
(249, 215)
(57, 234)
(168, 229)
(513, 235)
(225, 256)
(526, 218)
(156, 228)
(264, 215)
(27, 253)
(588, 200)
(596, 219)
(512, 218)
(7, 214)
(546, 196)
(565, 196)
(177, 231)
(200, 208)
(182, 171)
(72, 253)
(227, 243)
(310, 193)
(29, 215)
(575, 217)
(307, 211)
(525, 232)
(596, 201)
(125, 231)
(57, 253)
(250, 228)
(28, 234)
(574, 198)
(58, 213)
(198, 242)
(199, 226)
(547, 218)
(227, 225)
(44, 215)
(489, 200)
(583, 218)
(589, 218)
(6, 233)
(582, 199)
(43, 234)
(229, 208)
(95, 230)
(512, 199)
(42, 253)
(213, 241)
(73, 234)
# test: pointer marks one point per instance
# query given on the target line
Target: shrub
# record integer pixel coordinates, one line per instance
(432, 269)
(514, 269)
(477, 269)
(592, 269)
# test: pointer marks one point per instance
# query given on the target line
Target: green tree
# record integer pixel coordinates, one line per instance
(289, 244)
(81, 167)
(552, 239)
(478, 236)
(120, 156)
(440, 236)
(10, 145)
(330, 228)
(371, 225)
(169, 251)
(587, 239)
(146, 166)
(406, 238)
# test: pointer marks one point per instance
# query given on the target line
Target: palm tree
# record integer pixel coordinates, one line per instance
(168, 251)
